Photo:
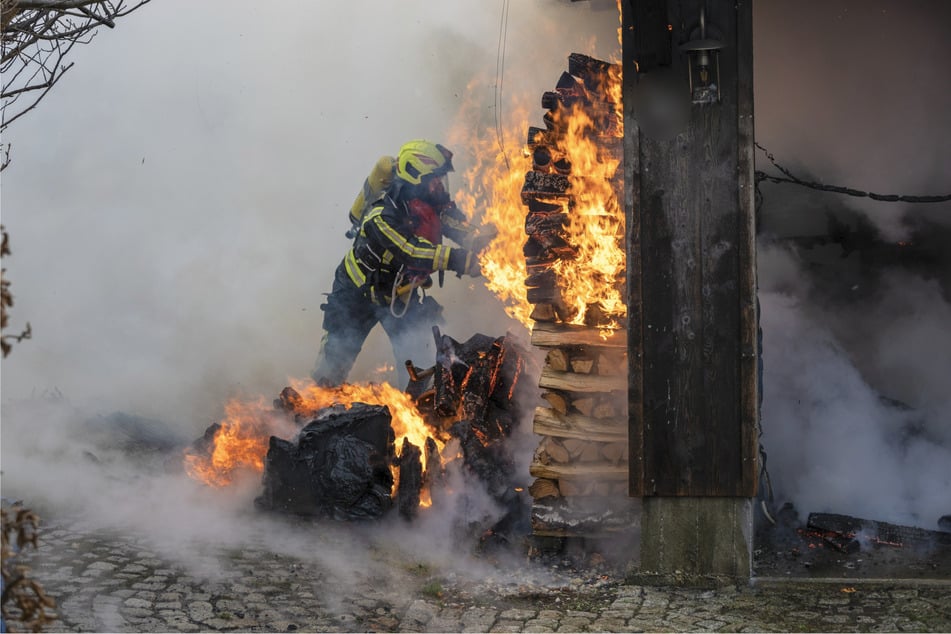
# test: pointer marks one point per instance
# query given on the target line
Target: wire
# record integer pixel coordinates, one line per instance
(499, 77)
(790, 178)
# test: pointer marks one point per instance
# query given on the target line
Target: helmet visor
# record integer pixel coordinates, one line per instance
(436, 189)
(447, 166)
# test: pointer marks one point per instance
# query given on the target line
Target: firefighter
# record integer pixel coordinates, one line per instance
(397, 247)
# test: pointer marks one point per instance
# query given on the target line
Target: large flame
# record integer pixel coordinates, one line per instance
(493, 187)
(596, 221)
(241, 441)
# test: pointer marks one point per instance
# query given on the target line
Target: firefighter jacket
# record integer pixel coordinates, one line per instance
(387, 253)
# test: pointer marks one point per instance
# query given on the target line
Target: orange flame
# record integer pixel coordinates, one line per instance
(493, 183)
(596, 223)
(241, 442)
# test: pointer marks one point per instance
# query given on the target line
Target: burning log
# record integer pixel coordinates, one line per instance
(542, 185)
(583, 452)
(594, 73)
(546, 227)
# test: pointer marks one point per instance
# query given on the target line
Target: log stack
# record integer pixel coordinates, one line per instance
(580, 467)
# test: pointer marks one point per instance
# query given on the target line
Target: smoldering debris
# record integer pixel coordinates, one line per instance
(346, 462)
(844, 546)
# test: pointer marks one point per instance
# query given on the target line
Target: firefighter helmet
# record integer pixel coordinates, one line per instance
(419, 158)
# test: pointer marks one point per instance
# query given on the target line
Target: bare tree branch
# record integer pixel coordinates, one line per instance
(37, 35)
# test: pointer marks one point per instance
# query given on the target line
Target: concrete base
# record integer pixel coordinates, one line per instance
(689, 539)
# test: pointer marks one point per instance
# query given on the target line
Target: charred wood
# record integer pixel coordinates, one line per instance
(571, 87)
(544, 277)
(593, 72)
(411, 480)
(541, 206)
(289, 400)
(881, 533)
(492, 463)
(538, 136)
(434, 475)
(542, 185)
(546, 223)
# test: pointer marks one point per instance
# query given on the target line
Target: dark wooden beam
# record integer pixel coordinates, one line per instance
(691, 274)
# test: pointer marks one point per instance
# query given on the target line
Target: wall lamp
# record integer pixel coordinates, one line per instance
(703, 63)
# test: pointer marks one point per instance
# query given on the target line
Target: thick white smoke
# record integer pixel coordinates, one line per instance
(177, 206)
(855, 412)
(856, 409)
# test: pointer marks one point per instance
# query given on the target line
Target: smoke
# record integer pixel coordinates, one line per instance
(856, 351)
(848, 93)
(176, 227)
(177, 206)
(855, 405)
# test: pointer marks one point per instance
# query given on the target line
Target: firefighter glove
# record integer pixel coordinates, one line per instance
(464, 262)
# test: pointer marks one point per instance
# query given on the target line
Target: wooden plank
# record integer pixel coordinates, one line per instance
(749, 388)
(594, 470)
(580, 382)
(650, 43)
(692, 426)
(631, 49)
(548, 422)
(549, 335)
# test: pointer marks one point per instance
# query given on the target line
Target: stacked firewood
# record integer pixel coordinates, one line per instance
(581, 464)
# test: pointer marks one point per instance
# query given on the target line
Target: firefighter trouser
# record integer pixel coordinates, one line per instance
(349, 316)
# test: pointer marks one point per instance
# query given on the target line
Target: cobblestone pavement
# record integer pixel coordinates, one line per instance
(107, 582)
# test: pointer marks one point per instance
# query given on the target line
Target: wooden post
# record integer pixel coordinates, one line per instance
(691, 280)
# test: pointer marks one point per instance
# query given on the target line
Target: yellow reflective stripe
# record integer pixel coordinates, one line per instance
(441, 262)
(354, 271)
(387, 257)
(404, 245)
